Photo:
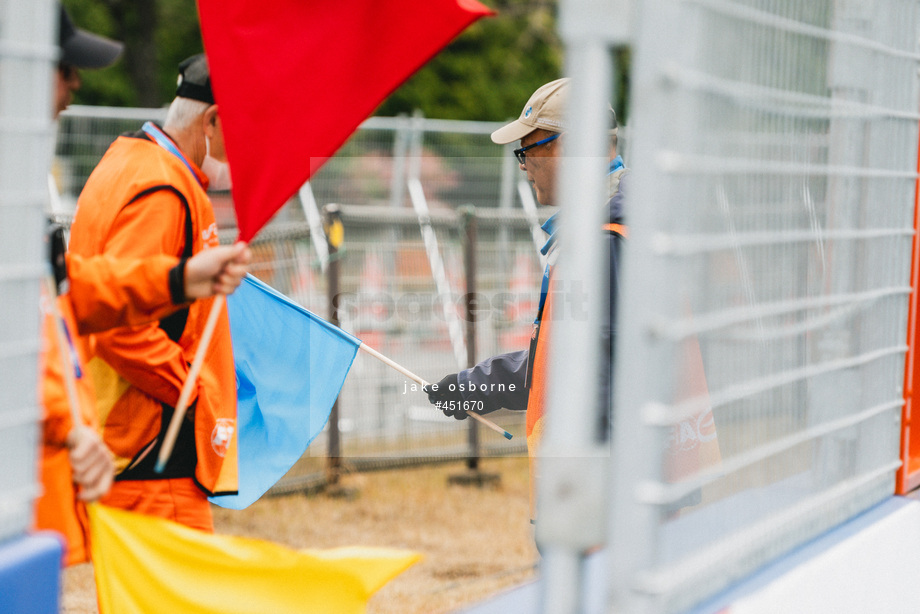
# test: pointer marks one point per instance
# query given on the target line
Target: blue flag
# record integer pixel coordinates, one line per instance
(290, 367)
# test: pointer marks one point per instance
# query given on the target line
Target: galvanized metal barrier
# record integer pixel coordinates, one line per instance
(27, 53)
(766, 282)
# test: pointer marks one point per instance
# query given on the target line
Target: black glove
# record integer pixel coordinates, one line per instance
(445, 395)
(56, 251)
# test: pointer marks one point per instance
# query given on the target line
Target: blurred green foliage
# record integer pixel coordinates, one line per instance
(487, 73)
(158, 34)
(491, 69)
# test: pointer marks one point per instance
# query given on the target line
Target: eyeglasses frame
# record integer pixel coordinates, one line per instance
(521, 154)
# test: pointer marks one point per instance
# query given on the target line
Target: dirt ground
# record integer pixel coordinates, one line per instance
(476, 541)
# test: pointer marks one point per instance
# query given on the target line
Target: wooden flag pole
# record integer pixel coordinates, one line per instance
(419, 380)
(70, 378)
(176, 422)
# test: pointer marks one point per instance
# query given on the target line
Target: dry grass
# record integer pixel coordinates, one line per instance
(476, 541)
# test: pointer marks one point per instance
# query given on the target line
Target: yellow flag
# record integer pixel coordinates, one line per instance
(150, 565)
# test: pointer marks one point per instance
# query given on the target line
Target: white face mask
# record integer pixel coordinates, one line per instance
(218, 172)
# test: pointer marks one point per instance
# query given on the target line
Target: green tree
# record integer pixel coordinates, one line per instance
(488, 71)
(157, 34)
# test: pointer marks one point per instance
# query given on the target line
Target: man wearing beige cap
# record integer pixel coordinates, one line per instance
(517, 380)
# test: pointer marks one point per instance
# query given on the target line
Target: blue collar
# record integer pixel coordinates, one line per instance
(551, 225)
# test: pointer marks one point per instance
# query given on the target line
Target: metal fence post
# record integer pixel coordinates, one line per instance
(401, 138)
(505, 204)
(432, 249)
(334, 235)
(468, 226)
(572, 490)
(27, 56)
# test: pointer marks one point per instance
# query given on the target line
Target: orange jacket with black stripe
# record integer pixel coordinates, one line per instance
(104, 292)
(142, 201)
(107, 292)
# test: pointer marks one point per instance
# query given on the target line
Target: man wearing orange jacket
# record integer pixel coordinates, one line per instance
(104, 292)
(147, 197)
(69, 454)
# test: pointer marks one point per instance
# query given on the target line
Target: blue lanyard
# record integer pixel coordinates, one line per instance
(550, 227)
(73, 351)
(166, 143)
(544, 290)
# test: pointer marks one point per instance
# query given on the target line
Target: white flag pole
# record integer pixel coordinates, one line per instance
(176, 422)
(419, 380)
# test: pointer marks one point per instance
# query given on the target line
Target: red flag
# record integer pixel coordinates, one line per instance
(294, 78)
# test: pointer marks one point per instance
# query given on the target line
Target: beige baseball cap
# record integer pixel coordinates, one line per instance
(544, 110)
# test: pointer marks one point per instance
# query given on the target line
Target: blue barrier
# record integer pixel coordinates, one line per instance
(30, 574)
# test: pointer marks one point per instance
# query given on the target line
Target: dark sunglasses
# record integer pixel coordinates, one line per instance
(68, 71)
(521, 154)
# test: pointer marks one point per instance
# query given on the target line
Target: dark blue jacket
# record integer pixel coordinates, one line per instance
(511, 368)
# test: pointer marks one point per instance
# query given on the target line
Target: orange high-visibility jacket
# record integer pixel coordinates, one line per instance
(539, 355)
(57, 508)
(106, 292)
(143, 201)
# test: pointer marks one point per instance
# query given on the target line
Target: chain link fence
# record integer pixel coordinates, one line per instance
(390, 296)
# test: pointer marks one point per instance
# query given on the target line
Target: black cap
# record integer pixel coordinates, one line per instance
(84, 49)
(195, 79)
